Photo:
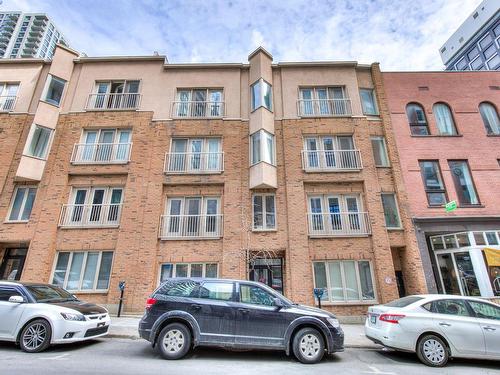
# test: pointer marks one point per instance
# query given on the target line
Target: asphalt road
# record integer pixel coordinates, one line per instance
(124, 356)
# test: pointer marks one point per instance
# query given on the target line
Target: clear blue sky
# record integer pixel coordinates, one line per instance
(401, 35)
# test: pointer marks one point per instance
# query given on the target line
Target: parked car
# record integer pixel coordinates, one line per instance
(36, 315)
(189, 312)
(437, 327)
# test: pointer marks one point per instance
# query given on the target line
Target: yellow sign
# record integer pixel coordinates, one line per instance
(492, 256)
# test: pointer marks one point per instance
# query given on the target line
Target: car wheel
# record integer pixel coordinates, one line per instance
(174, 341)
(308, 346)
(432, 351)
(35, 337)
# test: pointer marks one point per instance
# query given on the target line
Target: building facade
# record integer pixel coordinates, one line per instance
(447, 132)
(132, 169)
(476, 43)
(28, 35)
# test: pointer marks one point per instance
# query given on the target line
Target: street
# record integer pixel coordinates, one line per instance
(125, 356)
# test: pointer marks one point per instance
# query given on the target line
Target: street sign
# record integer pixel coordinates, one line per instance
(450, 206)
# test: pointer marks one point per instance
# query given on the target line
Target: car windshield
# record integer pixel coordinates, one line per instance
(403, 302)
(49, 293)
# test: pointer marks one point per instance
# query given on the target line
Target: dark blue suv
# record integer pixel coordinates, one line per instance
(185, 313)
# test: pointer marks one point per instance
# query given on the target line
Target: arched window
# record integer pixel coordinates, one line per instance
(416, 119)
(444, 119)
(490, 117)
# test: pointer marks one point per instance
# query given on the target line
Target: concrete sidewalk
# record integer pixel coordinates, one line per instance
(126, 327)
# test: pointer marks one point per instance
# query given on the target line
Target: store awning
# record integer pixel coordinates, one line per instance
(492, 256)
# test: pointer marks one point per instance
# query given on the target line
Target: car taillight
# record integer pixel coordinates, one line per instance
(150, 302)
(391, 318)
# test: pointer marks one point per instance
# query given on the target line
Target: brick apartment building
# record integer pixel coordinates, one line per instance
(448, 137)
(133, 169)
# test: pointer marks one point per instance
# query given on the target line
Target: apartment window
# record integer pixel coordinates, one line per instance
(39, 141)
(444, 119)
(54, 89)
(324, 101)
(104, 146)
(8, 92)
(330, 152)
(262, 95)
(83, 270)
(262, 147)
(195, 155)
(264, 212)
(368, 101)
(380, 152)
(464, 185)
(489, 115)
(115, 94)
(417, 119)
(391, 212)
(199, 103)
(22, 203)
(345, 280)
(206, 270)
(433, 182)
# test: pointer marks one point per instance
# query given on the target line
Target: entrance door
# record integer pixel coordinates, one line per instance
(13, 263)
(269, 272)
(457, 274)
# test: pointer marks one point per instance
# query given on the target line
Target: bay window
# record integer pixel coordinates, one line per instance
(54, 89)
(262, 147)
(261, 93)
(38, 142)
(264, 212)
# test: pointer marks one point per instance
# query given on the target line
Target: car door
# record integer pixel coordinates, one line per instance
(215, 311)
(452, 318)
(10, 313)
(488, 316)
(259, 322)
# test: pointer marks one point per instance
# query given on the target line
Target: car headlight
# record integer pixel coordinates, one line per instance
(334, 322)
(72, 316)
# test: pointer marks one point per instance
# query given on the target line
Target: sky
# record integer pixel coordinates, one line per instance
(400, 34)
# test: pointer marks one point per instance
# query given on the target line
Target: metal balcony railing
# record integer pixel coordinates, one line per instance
(90, 215)
(343, 224)
(194, 162)
(113, 101)
(195, 109)
(324, 107)
(190, 226)
(7, 103)
(331, 160)
(101, 153)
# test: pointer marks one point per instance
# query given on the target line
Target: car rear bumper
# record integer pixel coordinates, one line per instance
(390, 336)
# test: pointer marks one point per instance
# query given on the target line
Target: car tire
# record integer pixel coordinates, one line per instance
(35, 336)
(432, 351)
(174, 341)
(308, 346)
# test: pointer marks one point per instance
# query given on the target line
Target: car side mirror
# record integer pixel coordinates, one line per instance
(16, 299)
(278, 303)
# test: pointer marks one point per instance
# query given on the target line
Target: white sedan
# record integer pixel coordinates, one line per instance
(37, 315)
(437, 327)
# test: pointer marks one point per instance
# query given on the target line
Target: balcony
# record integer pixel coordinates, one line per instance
(194, 162)
(7, 103)
(197, 109)
(101, 153)
(331, 160)
(324, 107)
(126, 101)
(339, 224)
(90, 215)
(190, 227)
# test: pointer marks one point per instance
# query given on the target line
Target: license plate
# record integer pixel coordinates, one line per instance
(373, 319)
(101, 324)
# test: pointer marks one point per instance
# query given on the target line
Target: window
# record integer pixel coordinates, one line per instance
(83, 270)
(330, 153)
(463, 182)
(255, 295)
(103, 146)
(185, 288)
(169, 270)
(262, 147)
(380, 152)
(195, 155)
(54, 90)
(217, 291)
(6, 293)
(345, 280)
(489, 115)
(22, 203)
(8, 92)
(39, 141)
(115, 94)
(264, 212)
(324, 101)
(450, 307)
(391, 212)
(485, 310)
(199, 103)
(262, 95)
(416, 119)
(368, 102)
(433, 182)
(444, 119)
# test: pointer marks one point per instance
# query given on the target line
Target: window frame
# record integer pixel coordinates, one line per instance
(374, 100)
(452, 117)
(29, 140)
(23, 203)
(255, 305)
(108, 193)
(383, 141)
(427, 191)
(189, 264)
(492, 133)
(417, 124)
(264, 227)
(46, 90)
(397, 210)
(253, 102)
(263, 136)
(456, 183)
